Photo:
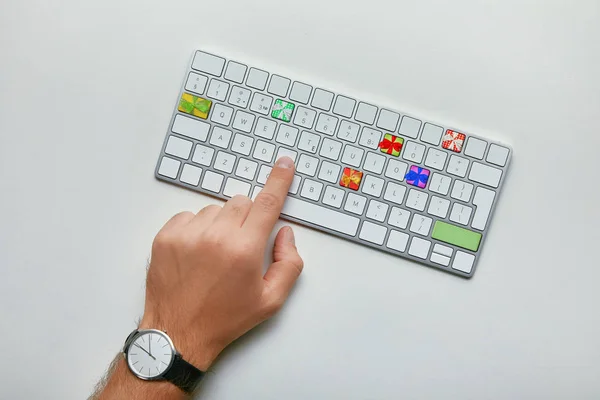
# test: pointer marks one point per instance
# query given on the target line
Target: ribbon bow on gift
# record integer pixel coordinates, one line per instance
(417, 176)
(197, 103)
(353, 177)
(386, 144)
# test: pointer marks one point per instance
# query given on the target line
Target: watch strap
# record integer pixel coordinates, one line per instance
(183, 374)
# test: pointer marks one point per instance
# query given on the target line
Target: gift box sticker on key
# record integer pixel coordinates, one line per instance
(351, 178)
(391, 144)
(453, 140)
(417, 176)
(194, 105)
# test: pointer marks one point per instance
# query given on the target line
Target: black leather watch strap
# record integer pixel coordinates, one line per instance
(183, 374)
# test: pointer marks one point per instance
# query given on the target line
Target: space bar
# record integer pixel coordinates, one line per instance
(320, 216)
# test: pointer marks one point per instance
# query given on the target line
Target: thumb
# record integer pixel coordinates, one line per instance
(285, 270)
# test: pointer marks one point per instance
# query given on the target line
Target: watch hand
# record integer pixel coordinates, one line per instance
(150, 344)
(145, 351)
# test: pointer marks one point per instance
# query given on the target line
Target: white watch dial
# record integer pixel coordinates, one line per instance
(150, 354)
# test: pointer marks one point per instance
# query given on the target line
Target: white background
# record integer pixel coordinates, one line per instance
(86, 93)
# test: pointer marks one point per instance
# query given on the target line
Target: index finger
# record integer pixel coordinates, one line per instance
(269, 202)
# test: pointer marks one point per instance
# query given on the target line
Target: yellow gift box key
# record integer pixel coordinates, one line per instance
(194, 105)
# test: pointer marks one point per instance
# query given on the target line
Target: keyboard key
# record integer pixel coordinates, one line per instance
(242, 144)
(432, 134)
(443, 250)
(348, 131)
(366, 113)
(351, 178)
(355, 204)
(283, 152)
(261, 103)
(330, 149)
(311, 189)
(453, 140)
(243, 121)
(344, 106)
(475, 148)
(263, 174)
(307, 165)
(309, 142)
(264, 151)
(391, 144)
(455, 235)
(279, 85)
(419, 247)
(178, 147)
(374, 163)
(235, 72)
(329, 172)
(320, 216)
(208, 63)
(373, 186)
(416, 199)
(220, 137)
(421, 225)
(460, 214)
(221, 114)
(287, 135)
(265, 128)
(397, 241)
(399, 217)
(440, 183)
(370, 138)
(300, 92)
(322, 99)
(352, 156)
(190, 127)
(413, 152)
(169, 167)
(257, 79)
(212, 181)
(388, 120)
(283, 110)
(305, 117)
(417, 176)
(396, 170)
(295, 184)
(483, 200)
(440, 259)
(194, 105)
(436, 159)
(409, 127)
(458, 166)
(372, 233)
(485, 174)
(196, 83)
(217, 90)
(239, 97)
(497, 155)
(394, 193)
(326, 124)
(333, 196)
(234, 187)
(224, 162)
(463, 262)
(461, 191)
(203, 155)
(190, 175)
(438, 207)
(377, 210)
(246, 169)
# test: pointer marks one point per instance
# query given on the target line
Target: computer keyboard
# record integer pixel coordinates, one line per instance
(366, 173)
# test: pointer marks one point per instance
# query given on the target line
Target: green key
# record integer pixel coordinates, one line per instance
(283, 110)
(456, 235)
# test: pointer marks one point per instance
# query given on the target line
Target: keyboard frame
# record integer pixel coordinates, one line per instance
(355, 239)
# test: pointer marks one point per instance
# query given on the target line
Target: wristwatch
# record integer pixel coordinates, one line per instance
(151, 356)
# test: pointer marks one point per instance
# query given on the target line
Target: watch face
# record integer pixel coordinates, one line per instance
(150, 354)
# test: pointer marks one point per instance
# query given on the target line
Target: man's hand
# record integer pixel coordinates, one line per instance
(206, 286)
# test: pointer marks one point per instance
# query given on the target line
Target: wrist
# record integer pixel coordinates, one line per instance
(194, 349)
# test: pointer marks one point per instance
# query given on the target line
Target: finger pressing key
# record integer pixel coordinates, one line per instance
(269, 202)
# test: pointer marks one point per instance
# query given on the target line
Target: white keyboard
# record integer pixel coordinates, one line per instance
(370, 174)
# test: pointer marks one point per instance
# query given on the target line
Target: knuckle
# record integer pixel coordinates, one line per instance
(210, 209)
(268, 202)
(272, 307)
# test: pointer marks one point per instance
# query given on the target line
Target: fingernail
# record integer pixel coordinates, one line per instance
(285, 162)
(288, 235)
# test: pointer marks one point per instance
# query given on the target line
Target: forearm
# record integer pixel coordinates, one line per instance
(121, 384)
